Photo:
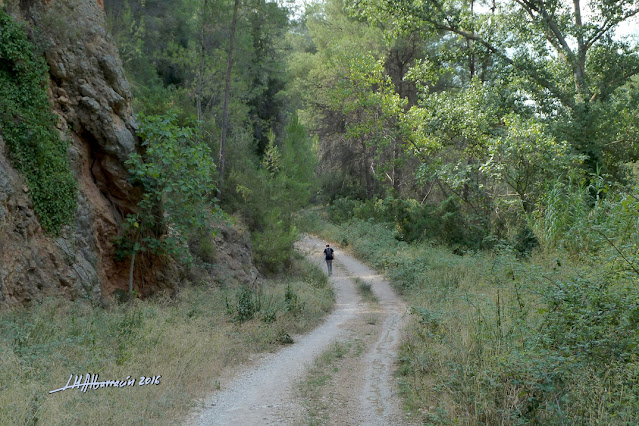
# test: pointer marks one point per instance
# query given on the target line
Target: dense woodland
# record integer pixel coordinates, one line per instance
(482, 153)
(497, 129)
(476, 124)
(500, 127)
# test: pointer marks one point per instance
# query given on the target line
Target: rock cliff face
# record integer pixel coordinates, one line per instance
(90, 93)
(231, 262)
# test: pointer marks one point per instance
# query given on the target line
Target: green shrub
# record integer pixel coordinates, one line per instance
(28, 126)
(246, 306)
(295, 299)
(583, 355)
(447, 223)
(563, 211)
(176, 172)
(273, 248)
(525, 241)
(422, 223)
(593, 323)
(292, 301)
(451, 222)
(336, 184)
(341, 210)
(267, 192)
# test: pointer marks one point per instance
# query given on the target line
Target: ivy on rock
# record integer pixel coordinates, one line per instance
(28, 126)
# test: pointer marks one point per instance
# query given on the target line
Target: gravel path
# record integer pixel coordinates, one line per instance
(266, 394)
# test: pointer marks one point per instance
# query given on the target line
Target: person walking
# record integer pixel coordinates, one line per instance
(328, 257)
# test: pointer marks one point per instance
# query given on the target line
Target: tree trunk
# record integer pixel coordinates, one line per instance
(131, 276)
(469, 44)
(202, 57)
(580, 57)
(227, 88)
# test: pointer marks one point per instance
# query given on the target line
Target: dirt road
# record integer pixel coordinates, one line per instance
(360, 388)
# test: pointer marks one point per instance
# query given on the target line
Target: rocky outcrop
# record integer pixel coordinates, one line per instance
(226, 259)
(30, 265)
(91, 95)
(233, 255)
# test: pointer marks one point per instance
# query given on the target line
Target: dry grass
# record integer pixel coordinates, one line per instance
(466, 313)
(494, 339)
(189, 340)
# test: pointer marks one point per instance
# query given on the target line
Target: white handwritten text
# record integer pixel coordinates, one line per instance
(91, 381)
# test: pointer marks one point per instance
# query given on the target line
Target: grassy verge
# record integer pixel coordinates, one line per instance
(188, 340)
(365, 291)
(319, 376)
(496, 340)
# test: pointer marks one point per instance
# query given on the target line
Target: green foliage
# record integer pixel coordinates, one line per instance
(268, 194)
(337, 184)
(175, 53)
(177, 174)
(247, 305)
(588, 332)
(413, 221)
(341, 210)
(470, 111)
(28, 126)
(564, 208)
(592, 323)
(347, 97)
(292, 301)
(203, 246)
(451, 219)
(525, 241)
(495, 340)
(252, 303)
(587, 219)
(273, 247)
(526, 157)
(536, 52)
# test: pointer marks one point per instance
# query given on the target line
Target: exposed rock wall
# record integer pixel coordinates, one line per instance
(228, 261)
(91, 95)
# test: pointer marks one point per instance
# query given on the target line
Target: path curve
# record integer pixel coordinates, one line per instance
(265, 395)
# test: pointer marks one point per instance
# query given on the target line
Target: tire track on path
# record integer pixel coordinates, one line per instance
(265, 394)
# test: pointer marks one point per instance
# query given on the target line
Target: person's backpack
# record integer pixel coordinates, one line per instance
(329, 253)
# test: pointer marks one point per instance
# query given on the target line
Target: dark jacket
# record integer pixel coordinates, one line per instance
(328, 253)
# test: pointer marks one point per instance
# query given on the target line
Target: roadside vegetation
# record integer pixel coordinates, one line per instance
(191, 340)
(485, 159)
(498, 338)
(220, 139)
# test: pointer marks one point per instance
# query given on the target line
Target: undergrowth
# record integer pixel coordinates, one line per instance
(494, 339)
(189, 340)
